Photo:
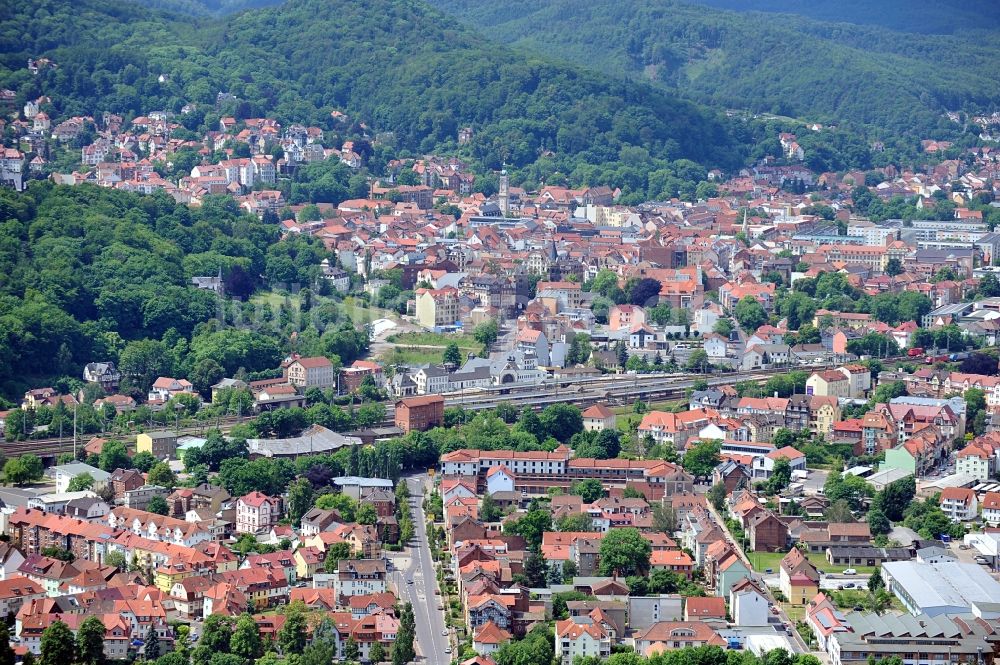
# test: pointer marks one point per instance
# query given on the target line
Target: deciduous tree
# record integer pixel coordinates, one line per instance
(58, 645)
(625, 552)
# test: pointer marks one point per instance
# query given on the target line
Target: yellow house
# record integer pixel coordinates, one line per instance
(168, 576)
(223, 558)
(802, 589)
(830, 383)
(825, 412)
(798, 578)
(308, 561)
(437, 307)
(161, 445)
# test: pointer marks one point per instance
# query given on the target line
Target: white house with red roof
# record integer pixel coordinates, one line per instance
(980, 459)
(598, 418)
(581, 636)
(489, 638)
(499, 479)
(166, 387)
(534, 341)
(991, 508)
(311, 372)
(959, 504)
(257, 512)
(458, 488)
(763, 465)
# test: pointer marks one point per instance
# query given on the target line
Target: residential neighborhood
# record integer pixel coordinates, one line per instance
(280, 385)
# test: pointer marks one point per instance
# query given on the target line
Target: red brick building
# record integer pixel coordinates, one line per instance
(420, 413)
(767, 533)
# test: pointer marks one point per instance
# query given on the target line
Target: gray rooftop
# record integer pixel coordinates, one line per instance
(363, 482)
(314, 440)
(79, 468)
(940, 585)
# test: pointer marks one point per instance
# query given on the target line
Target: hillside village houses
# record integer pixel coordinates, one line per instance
(529, 260)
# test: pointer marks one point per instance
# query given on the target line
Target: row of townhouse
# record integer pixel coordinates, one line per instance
(742, 419)
(534, 472)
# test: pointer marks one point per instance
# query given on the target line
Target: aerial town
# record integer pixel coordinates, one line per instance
(440, 417)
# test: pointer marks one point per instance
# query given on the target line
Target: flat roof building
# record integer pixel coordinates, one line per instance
(939, 588)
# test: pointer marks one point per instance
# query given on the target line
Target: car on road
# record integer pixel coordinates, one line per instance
(409, 581)
(849, 585)
(445, 632)
(850, 571)
(441, 606)
(447, 649)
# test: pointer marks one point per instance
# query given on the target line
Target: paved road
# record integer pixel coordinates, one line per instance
(416, 565)
(797, 643)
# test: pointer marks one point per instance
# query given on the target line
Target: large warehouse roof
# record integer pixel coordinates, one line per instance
(948, 584)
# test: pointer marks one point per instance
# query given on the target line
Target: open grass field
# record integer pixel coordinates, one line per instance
(465, 342)
(761, 561)
(404, 356)
(274, 299)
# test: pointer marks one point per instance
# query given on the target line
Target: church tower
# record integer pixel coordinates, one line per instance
(504, 194)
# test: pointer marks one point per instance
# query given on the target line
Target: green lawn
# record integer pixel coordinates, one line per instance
(464, 341)
(761, 561)
(764, 560)
(274, 299)
(409, 356)
(795, 613)
(362, 315)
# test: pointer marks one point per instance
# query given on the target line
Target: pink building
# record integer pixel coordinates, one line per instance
(257, 512)
(621, 317)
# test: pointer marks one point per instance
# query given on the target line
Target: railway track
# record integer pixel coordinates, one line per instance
(617, 389)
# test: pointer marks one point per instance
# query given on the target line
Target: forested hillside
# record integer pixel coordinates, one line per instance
(207, 7)
(932, 17)
(96, 274)
(399, 66)
(783, 64)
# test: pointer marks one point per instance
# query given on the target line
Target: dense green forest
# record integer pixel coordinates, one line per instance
(399, 66)
(207, 7)
(91, 274)
(787, 65)
(930, 17)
